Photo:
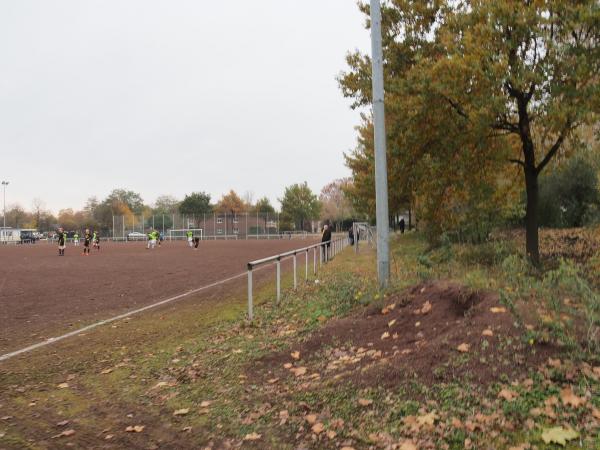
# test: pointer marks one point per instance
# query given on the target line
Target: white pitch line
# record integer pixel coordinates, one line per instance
(112, 319)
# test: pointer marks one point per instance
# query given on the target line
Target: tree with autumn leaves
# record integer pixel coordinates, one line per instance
(473, 90)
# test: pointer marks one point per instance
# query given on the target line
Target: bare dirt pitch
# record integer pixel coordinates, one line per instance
(43, 295)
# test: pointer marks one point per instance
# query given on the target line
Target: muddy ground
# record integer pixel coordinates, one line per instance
(44, 295)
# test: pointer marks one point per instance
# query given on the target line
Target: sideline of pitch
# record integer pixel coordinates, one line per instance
(52, 340)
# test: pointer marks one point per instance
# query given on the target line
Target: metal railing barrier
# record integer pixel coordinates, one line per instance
(327, 250)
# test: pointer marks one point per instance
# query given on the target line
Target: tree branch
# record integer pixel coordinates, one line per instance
(456, 107)
(506, 126)
(517, 161)
(561, 137)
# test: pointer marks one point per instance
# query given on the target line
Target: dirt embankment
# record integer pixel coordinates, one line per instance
(437, 331)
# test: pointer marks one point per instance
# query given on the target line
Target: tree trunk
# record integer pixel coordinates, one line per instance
(531, 216)
(531, 180)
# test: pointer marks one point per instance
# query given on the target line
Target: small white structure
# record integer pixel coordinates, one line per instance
(10, 236)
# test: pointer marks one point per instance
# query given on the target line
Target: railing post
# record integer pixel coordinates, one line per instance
(278, 279)
(250, 305)
(315, 260)
(306, 274)
(320, 255)
(295, 278)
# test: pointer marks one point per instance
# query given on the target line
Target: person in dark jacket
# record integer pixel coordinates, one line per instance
(62, 238)
(326, 238)
(402, 225)
(351, 236)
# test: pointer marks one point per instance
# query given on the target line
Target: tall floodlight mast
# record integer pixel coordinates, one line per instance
(381, 186)
(4, 184)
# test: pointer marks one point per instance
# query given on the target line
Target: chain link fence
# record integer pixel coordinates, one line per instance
(214, 226)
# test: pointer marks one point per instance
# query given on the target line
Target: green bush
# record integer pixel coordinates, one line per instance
(487, 254)
(569, 197)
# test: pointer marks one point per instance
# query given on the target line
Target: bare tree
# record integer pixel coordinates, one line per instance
(38, 206)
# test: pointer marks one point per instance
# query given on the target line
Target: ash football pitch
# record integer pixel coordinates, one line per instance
(43, 295)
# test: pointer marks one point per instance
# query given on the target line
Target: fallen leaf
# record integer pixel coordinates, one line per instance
(331, 434)
(385, 335)
(318, 428)
(427, 419)
(374, 437)
(311, 419)
(498, 309)
(205, 403)
(67, 433)
(252, 437)
(298, 371)
(181, 412)
(569, 398)
(391, 323)
(507, 395)
(106, 371)
(160, 384)
(62, 423)
(63, 385)
(426, 307)
(135, 428)
(283, 417)
(408, 445)
(295, 355)
(556, 363)
(365, 401)
(487, 332)
(273, 380)
(456, 423)
(288, 365)
(388, 308)
(559, 435)
(463, 348)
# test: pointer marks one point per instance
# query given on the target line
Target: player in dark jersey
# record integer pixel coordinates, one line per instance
(87, 241)
(196, 242)
(62, 238)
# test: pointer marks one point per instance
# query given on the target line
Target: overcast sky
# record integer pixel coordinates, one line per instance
(170, 97)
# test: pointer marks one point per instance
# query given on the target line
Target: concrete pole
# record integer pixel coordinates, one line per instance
(295, 272)
(278, 280)
(381, 185)
(250, 300)
(4, 184)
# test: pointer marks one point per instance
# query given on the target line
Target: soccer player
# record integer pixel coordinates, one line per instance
(76, 239)
(87, 240)
(96, 240)
(62, 237)
(196, 242)
(152, 239)
(190, 238)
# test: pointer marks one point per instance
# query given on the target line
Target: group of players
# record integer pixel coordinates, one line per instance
(93, 239)
(89, 239)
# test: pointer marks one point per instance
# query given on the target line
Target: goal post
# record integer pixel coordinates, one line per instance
(181, 234)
